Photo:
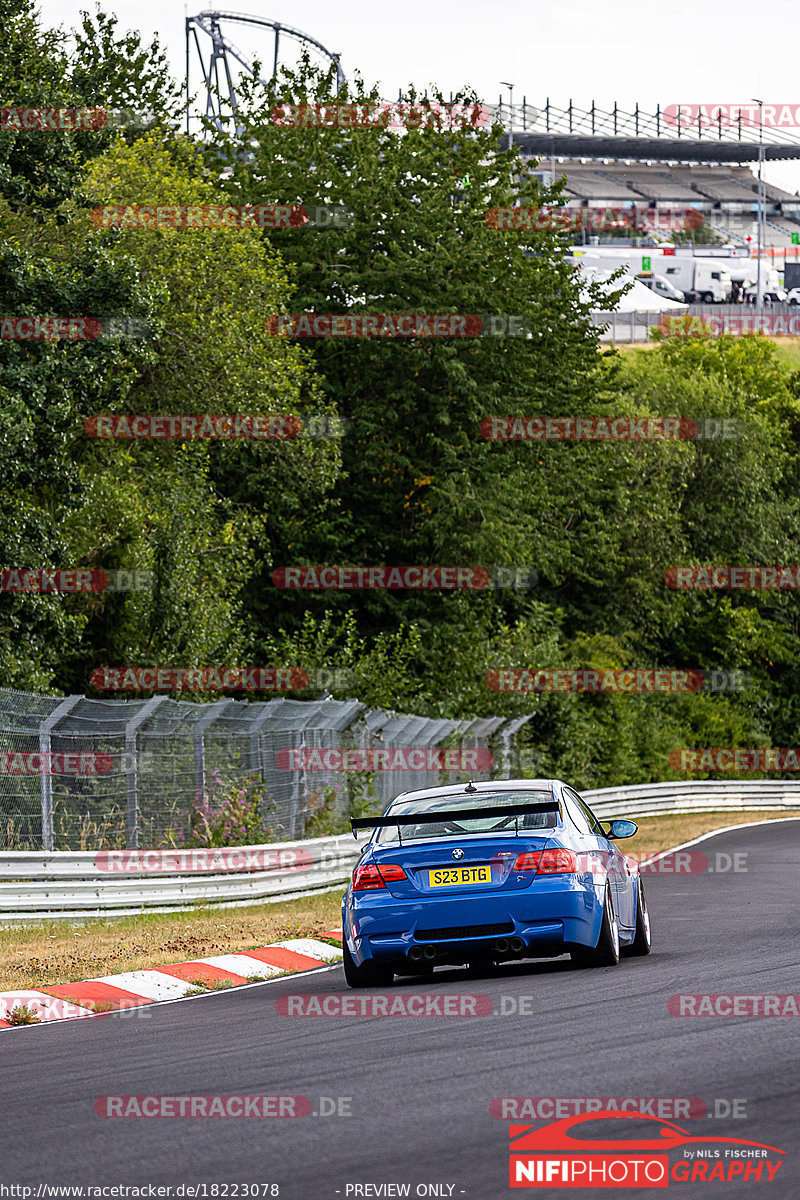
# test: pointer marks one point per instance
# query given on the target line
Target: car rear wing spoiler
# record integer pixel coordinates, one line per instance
(456, 814)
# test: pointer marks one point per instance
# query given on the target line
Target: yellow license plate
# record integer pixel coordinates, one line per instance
(458, 876)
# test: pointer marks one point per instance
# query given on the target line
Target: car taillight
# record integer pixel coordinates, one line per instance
(369, 878)
(547, 862)
(557, 862)
(528, 862)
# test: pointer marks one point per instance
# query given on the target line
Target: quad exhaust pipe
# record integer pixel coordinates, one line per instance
(514, 945)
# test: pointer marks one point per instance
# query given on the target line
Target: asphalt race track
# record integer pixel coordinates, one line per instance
(421, 1087)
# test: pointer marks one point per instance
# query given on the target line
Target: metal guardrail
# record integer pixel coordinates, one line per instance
(712, 795)
(67, 885)
(73, 885)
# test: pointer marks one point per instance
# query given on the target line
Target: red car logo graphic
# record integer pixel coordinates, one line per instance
(553, 1157)
(556, 1136)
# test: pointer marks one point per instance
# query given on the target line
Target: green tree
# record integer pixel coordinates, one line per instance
(420, 484)
(119, 71)
(195, 512)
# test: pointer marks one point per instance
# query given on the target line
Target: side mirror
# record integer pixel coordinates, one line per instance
(622, 829)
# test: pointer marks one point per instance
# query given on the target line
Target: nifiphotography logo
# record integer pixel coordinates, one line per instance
(563, 1154)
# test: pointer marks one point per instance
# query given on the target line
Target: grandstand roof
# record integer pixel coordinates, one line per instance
(659, 136)
(676, 150)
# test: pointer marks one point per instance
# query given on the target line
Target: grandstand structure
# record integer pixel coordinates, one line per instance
(617, 158)
(610, 157)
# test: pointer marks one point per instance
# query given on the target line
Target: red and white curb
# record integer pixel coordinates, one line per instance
(108, 993)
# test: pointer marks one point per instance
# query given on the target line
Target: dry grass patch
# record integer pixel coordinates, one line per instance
(45, 954)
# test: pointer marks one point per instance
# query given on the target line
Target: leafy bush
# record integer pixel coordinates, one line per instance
(230, 813)
(323, 817)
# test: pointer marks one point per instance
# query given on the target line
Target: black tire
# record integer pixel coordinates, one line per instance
(707, 298)
(642, 941)
(606, 952)
(367, 975)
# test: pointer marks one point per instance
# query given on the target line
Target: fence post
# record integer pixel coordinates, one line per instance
(45, 734)
(198, 738)
(131, 777)
(507, 734)
(255, 757)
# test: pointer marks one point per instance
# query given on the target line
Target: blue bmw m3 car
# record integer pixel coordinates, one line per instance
(489, 873)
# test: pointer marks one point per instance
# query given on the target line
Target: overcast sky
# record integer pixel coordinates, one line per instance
(652, 51)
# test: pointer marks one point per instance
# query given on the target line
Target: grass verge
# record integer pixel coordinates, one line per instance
(659, 833)
(38, 955)
(788, 350)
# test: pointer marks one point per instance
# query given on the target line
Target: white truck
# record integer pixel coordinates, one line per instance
(704, 279)
(745, 272)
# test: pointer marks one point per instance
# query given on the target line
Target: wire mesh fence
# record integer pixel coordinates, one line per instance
(775, 320)
(81, 774)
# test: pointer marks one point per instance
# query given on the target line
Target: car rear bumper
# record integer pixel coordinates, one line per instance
(547, 918)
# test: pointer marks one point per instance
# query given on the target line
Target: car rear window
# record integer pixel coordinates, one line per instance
(475, 825)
